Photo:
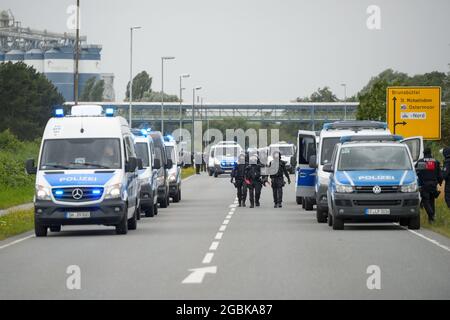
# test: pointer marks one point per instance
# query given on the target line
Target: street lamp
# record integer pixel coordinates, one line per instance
(77, 57)
(183, 76)
(345, 100)
(131, 72)
(162, 90)
(194, 90)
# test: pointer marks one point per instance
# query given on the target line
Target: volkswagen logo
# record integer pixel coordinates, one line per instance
(376, 189)
(77, 194)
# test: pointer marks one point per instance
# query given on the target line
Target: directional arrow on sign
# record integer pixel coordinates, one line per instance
(197, 275)
(404, 123)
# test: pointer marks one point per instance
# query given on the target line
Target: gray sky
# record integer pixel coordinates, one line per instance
(256, 50)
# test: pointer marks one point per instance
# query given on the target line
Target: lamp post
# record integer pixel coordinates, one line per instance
(183, 76)
(194, 90)
(77, 57)
(131, 74)
(345, 100)
(162, 90)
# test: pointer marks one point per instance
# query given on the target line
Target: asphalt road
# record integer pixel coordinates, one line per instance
(242, 253)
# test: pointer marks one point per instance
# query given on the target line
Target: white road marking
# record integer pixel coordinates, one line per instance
(197, 275)
(222, 228)
(233, 206)
(208, 258)
(229, 217)
(227, 221)
(214, 246)
(16, 242)
(233, 209)
(219, 235)
(435, 242)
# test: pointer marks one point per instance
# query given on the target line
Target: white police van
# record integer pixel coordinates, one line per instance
(175, 171)
(224, 157)
(86, 172)
(314, 151)
(148, 174)
(372, 179)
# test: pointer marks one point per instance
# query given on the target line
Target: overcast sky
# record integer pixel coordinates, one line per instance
(256, 50)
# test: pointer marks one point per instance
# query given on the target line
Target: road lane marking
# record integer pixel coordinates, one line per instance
(197, 275)
(229, 217)
(227, 221)
(222, 228)
(17, 241)
(214, 246)
(233, 209)
(208, 258)
(233, 206)
(435, 242)
(219, 235)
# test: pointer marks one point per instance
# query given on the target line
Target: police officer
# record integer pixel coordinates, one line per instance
(446, 175)
(277, 169)
(238, 178)
(430, 175)
(253, 180)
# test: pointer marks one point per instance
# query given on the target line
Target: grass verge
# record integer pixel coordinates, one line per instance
(187, 172)
(10, 197)
(442, 223)
(16, 223)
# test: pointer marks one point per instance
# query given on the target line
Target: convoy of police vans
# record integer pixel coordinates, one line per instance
(94, 169)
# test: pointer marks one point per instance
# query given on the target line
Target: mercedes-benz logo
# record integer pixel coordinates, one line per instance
(377, 189)
(77, 194)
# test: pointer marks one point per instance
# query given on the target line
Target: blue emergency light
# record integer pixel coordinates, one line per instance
(96, 192)
(109, 112)
(59, 112)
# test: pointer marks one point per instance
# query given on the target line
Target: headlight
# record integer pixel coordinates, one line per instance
(42, 193)
(409, 187)
(343, 188)
(114, 191)
(172, 178)
(216, 161)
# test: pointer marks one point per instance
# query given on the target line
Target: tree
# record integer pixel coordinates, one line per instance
(142, 84)
(26, 101)
(86, 94)
(157, 97)
(93, 90)
(372, 104)
(389, 76)
(321, 95)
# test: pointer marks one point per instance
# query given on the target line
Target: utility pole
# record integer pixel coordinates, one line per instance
(77, 57)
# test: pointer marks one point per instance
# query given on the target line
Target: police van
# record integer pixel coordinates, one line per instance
(148, 175)
(175, 171)
(224, 157)
(86, 172)
(372, 179)
(315, 150)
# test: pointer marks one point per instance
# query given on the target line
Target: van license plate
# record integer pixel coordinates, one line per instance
(378, 211)
(78, 215)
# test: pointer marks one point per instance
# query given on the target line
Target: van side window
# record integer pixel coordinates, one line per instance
(129, 147)
(307, 148)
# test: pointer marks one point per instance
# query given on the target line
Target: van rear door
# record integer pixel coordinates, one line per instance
(305, 176)
(415, 146)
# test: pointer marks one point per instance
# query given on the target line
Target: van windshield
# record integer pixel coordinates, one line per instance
(328, 145)
(81, 154)
(227, 152)
(142, 153)
(284, 150)
(374, 158)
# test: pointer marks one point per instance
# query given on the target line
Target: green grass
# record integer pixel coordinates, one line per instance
(187, 172)
(10, 197)
(16, 223)
(442, 223)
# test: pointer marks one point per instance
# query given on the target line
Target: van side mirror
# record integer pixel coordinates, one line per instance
(131, 164)
(313, 162)
(157, 164)
(328, 168)
(140, 164)
(30, 167)
(169, 164)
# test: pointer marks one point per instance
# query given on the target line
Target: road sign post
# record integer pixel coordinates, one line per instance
(414, 111)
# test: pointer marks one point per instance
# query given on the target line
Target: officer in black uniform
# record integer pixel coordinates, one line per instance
(253, 180)
(430, 175)
(446, 175)
(277, 169)
(238, 179)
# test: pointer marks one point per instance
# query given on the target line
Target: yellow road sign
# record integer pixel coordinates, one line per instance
(414, 111)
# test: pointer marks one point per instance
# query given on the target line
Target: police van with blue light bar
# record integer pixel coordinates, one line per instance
(174, 172)
(86, 172)
(372, 179)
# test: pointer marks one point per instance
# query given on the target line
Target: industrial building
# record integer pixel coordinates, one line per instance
(53, 54)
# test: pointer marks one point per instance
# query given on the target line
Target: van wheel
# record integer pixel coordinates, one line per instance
(122, 227)
(177, 197)
(40, 230)
(55, 229)
(132, 223)
(308, 204)
(414, 223)
(321, 215)
(163, 203)
(404, 222)
(138, 213)
(150, 211)
(299, 200)
(155, 209)
(338, 223)
(330, 220)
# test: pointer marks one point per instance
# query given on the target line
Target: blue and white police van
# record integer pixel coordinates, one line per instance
(225, 156)
(314, 150)
(372, 179)
(87, 172)
(175, 171)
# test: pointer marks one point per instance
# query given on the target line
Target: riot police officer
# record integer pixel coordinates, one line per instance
(446, 175)
(253, 180)
(238, 178)
(277, 169)
(430, 175)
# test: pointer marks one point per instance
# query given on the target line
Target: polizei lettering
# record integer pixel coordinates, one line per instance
(78, 179)
(372, 178)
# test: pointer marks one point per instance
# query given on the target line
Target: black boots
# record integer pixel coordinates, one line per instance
(278, 205)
